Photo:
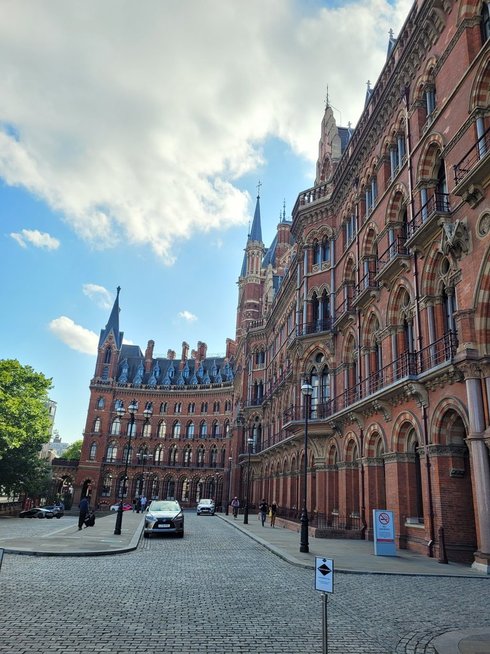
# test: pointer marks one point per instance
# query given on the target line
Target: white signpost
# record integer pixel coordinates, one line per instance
(324, 584)
(384, 533)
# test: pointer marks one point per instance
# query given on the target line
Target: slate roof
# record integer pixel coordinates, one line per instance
(171, 372)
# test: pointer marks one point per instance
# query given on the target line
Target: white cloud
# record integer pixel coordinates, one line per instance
(187, 315)
(75, 336)
(36, 238)
(99, 295)
(135, 120)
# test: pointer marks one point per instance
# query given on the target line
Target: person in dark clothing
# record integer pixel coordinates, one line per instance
(84, 507)
(263, 508)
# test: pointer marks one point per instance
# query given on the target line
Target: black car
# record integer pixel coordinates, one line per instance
(42, 512)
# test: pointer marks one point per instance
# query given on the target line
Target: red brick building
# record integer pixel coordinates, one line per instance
(172, 414)
(376, 293)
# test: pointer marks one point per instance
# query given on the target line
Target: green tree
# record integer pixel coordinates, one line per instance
(73, 451)
(24, 428)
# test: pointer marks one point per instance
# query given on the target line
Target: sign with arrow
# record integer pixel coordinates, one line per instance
(323, 574)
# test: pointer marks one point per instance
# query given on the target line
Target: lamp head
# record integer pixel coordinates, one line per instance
(306, 388)
(120, 411)
(133, 407)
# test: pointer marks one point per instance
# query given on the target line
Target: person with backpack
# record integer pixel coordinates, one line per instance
(235, 505)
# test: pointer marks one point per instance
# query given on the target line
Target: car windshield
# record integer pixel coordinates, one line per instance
(206, 502)
(164, 506)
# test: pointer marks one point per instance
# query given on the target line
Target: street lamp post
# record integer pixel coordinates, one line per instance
(307, 391)
(132, 408)
(250, 441)
(228, 494)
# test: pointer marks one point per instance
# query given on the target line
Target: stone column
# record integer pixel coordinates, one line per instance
(479, 464)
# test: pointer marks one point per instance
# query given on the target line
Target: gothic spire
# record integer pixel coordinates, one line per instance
(112, 324)
(256, 231)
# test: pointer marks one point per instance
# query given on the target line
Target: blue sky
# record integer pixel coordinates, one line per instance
(131, 144)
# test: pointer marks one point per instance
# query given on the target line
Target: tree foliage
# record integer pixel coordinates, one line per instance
(24, 428)
(24, 415)
(73, 451)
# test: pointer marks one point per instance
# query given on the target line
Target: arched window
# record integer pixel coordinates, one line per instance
(100, 403)
(216, 430)
(227, 428)
(176, 429)
(189, 431)
(127, 454)
(187, 456)
(106, 485)
(162, 429)
(213, 457)
(93, 452)
(131, 430)
(147, 429)
(191, 408)
(317, 252)
(178, 407)
(485, 23)
(200, 457)
(111, 453)
(116, 427)
(107, 357)
(158, 455)
(216, 407)
(325, 249)
(204, 407)
(163, 407)
(203, 429)
(172, 455)
(97, 425)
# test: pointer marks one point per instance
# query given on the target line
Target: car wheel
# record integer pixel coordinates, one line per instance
(145, 535)
(180, 534)
(58, 516)
(40, 515)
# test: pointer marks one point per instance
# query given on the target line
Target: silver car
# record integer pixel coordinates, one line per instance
(164, 517)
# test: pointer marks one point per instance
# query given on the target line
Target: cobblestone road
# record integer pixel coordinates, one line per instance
(218, 591)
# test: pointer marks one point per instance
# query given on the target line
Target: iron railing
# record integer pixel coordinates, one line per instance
(436, 204)
(477, 151)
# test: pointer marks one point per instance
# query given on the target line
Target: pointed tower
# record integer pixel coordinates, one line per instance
(110, 342)
(251, 281)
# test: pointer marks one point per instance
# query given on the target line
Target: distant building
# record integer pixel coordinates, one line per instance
(176, 441)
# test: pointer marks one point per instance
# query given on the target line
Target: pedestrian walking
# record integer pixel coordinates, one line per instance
(235, 505)
(143, 502)
(273, 513)
(263, 508)
(84, 508)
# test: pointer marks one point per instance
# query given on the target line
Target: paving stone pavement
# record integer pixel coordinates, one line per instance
(218, 591)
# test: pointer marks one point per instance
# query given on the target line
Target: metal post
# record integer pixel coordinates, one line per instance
(228, 494)
(117, 529)
(325, 623)
(307, 391)
(245, 512)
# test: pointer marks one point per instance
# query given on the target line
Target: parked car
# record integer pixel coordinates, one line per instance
(205, 507)
(126, 507)
(164, 517)
(43, 512)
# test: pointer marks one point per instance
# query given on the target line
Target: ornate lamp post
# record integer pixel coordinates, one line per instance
(228, 494)
(307, 391)
(132, 408)
(143, 456)
(250, 441)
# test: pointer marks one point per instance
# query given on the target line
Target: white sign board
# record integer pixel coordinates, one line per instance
(384, 533)
(323, 574)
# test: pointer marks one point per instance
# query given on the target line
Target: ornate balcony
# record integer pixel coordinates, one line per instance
(426, 222)
(367, 288)
(393, 261)
(472, 173)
